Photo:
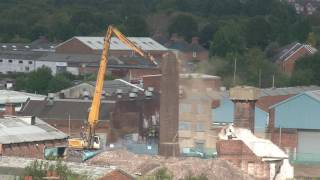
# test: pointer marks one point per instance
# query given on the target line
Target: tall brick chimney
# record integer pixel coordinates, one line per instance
(169, 107)
(244, 99)
(9, 109)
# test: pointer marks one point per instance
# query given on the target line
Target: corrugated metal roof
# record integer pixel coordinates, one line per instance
(18, 97)
(16, 130)
(144, 43)
(287, 90)
(314, 94)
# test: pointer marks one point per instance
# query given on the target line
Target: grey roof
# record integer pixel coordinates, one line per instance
(287, 90)
(94, 59)
(314, 94)
(62, 109)
(287, 51)
(145, 43)
(23, 55)
(16, 130)
(111, 87)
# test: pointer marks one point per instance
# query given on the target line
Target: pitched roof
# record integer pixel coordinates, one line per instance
(288, 50)
(93, 60)
(313, 94)
(260, 147)
(18, 130)
(23, 55)
(18, 97)
(62, 109)
(96, 43)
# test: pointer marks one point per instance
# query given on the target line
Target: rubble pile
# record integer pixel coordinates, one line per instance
(180, 167)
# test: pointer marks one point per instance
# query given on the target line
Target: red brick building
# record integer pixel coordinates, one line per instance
(291, 53)
(27, 136)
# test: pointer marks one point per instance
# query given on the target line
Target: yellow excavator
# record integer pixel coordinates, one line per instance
(89, 139)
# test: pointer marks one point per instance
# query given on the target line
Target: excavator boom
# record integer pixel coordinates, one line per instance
(89, 139)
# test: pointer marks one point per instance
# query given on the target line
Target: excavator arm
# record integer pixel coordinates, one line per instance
(95, 107)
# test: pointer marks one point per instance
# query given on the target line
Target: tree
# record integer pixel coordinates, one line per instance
(228, 39)
(183, 25)
(206, 34)
(38, 81)
(257, 32)
(306, 71)
(312, 39)
(58, 83)
(136, 26)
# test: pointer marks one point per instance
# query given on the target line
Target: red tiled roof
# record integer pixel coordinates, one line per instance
(117, 175)
(265, 102)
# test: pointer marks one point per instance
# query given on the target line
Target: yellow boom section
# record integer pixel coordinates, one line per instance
(95, 107)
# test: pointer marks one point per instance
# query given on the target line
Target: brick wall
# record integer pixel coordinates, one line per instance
(30, 149)
(236, 152)
(289, 137)
(288, 65)
(74, 46)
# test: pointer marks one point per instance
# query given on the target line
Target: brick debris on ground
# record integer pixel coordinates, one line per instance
(180, 167)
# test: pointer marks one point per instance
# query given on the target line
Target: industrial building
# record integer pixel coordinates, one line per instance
(29, 136)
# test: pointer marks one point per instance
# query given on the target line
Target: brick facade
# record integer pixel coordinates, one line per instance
(287, 65)
(30, 149)
(74, 46)
(236, 152)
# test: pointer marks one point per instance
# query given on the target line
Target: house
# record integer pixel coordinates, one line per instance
(28, 136)
(94, 45)
(294, 126)
(291, 53)
(256, 156)
(305, 7)
(188, 53)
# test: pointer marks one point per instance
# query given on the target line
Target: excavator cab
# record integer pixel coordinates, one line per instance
(96, 142)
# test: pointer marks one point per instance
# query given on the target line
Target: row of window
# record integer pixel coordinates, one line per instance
(186, 108)
(199, 127)
(20, 61)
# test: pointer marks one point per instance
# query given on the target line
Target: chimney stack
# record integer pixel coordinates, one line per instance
(244, 99)
(9, 109)
(195, 40)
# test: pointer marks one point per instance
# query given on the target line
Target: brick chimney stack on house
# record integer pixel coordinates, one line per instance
(244, 99)
(195, 40)
(9, 109)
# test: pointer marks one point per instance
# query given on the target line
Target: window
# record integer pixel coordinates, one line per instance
(200, 127)
(194, 54)
(20, 62)
(200, 109)
(184, 125)
(1, 60)
(30, 62)
(185, 108)
(10, 60)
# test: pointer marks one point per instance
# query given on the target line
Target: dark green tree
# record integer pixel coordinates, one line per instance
(183, 25)
(136, 26)
(228, 39)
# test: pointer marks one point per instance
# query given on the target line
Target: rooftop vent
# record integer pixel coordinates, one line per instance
(119, 91)
(135, 90)
(148, 94)
(151, 89)
(132, 95)
(86, 95)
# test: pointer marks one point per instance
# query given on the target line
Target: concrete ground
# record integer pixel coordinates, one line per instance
(307, 170)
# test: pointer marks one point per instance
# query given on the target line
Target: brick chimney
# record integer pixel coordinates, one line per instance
(244, 99)
(9, 109)
(195, 40)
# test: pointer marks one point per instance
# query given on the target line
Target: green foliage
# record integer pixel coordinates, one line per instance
(183, 25)
(253, 68)
(39, 169)
(307, 71)
(228, 39)
(41, 81)
(312, 39)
